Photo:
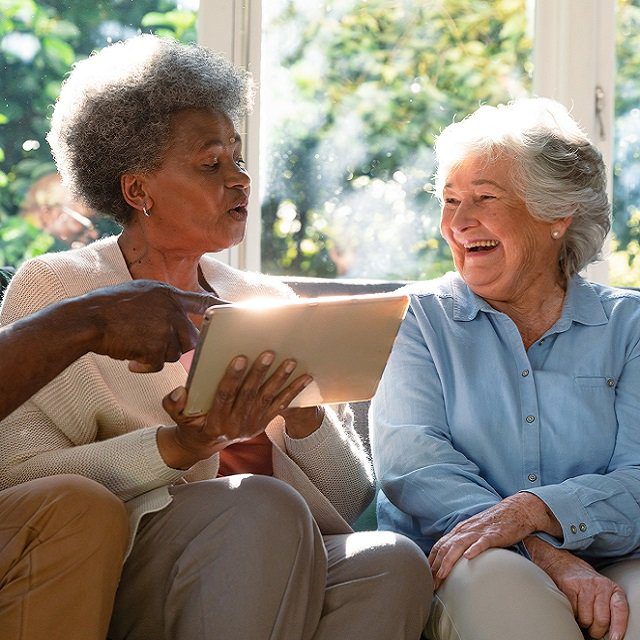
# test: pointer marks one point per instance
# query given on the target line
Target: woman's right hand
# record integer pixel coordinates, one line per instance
(242, 408)
(599, 604)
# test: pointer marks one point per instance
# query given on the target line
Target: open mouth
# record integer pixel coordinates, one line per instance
(239, 212)
(480, 246)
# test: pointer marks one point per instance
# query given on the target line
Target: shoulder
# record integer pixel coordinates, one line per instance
(438, 287)
(235, 284)
(55, 276)
(614, 300)
(433, 293)
(86, 268)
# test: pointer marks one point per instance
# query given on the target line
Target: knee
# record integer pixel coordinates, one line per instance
(274, 506)
(82, 505)
(397, 557)
(512, 569)
(496, 575)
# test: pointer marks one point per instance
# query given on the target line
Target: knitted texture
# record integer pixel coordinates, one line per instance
(99, 420)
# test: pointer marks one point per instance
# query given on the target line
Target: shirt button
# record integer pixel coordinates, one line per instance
(573, 528)
(611, 382)
(532, 477)
(530, 419)
(582, 526)
(541, 342)
(525, 373)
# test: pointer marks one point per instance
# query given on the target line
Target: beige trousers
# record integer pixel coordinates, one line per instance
(62, 543)
(241, 558)
(501, 595)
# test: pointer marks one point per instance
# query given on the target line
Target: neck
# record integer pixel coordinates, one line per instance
(535, 312)
(149, 259)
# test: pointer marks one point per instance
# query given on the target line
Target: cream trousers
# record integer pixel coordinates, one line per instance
(500, 595)
(62, 543)
(241, 558)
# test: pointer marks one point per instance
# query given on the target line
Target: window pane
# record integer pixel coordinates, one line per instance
(39, 42)
(352, 93)
(624, 264)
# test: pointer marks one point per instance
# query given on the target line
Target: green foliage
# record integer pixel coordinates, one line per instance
(20, 240)
(626, 166)
(39, 43)
(372, 84)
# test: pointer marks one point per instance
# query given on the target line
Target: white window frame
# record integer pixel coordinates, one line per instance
(234, 28)
(574, 54)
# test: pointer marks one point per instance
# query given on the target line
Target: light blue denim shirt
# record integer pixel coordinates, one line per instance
(465, 416)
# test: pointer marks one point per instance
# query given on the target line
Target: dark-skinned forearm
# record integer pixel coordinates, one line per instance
(35, 349)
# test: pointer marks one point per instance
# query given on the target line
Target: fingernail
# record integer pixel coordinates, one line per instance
(307, 380)
(290, 366)
(177, 393)
(239, 363)
(267, 358)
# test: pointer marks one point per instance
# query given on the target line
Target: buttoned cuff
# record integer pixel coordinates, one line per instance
(578, 527)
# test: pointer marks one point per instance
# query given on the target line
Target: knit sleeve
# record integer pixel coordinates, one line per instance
(334, 459)
(56, 431)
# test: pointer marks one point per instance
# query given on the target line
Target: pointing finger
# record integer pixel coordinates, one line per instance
(198, 302)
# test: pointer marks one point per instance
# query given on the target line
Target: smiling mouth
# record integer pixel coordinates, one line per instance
(480, 246)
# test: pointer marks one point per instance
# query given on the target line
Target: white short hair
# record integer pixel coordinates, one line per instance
(556, 170)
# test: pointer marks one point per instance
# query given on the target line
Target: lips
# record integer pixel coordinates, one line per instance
(239, 211)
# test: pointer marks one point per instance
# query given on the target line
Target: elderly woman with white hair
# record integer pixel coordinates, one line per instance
(240, 518)
(506, 429)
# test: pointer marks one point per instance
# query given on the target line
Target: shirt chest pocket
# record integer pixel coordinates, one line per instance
(604, 383)
(594, 412)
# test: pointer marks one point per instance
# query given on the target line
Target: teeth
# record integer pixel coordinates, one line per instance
(481, 243)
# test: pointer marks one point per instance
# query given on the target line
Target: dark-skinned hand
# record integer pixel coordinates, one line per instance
(245, 402)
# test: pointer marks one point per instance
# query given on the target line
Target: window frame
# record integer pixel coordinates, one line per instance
(573, 55)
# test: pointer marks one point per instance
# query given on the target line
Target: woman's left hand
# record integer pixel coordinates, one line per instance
(503, 525)
(302, 422)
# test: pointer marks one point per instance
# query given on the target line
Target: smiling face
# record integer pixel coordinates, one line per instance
(199, 195)
(501, 251)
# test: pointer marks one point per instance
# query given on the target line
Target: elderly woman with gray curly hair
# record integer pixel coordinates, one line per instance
(506, 429)
(146, 131)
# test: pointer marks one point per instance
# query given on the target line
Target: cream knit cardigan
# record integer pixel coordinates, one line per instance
(99, 420)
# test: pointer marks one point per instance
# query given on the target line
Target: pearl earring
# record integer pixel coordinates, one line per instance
(555, 234)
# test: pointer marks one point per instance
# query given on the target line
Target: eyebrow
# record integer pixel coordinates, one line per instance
(219, 143)
(478, 182)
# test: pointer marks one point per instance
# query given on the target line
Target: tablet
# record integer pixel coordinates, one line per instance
(343, 342)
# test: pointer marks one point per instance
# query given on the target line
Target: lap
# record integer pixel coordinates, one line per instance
(500, 594)
(245, 535)
(54, 507)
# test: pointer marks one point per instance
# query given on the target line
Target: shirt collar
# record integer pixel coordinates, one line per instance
(582, 304)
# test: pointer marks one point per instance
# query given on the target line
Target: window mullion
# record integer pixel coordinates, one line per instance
(233, 27)
(574, 54)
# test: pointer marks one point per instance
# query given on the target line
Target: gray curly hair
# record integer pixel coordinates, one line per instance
(114, 112)
(556, 170)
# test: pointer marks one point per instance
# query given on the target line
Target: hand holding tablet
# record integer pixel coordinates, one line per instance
(342, 342)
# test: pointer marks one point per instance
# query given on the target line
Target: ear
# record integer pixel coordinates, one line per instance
(135, 192)
(562, 224)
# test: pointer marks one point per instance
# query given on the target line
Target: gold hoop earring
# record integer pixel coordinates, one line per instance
(145, 210)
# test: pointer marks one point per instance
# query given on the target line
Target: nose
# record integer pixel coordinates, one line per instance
(237, 177)
(464, 217)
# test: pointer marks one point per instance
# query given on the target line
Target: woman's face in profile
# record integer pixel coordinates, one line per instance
(499, 249)
(199, 195)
